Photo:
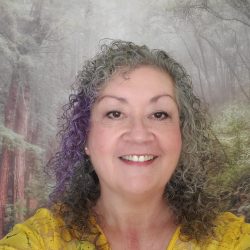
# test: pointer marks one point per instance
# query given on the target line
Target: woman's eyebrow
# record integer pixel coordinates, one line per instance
(156, 98)
(121, 99)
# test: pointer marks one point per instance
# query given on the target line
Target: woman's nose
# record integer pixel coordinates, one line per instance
(139, 131)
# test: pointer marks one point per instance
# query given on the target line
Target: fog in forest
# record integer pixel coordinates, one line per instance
(43, 44)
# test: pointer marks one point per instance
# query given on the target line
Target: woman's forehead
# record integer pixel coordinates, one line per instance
(140, 77)
(147, 84)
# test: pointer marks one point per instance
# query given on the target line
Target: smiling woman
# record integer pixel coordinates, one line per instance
(132, 170)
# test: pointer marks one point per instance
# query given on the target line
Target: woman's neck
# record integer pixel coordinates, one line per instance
(135, 222)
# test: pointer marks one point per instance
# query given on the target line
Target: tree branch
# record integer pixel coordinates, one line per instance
(204, 6)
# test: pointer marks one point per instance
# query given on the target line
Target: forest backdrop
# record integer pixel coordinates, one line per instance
(43, 44)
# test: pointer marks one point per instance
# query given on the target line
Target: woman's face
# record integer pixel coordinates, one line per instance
(135, 141)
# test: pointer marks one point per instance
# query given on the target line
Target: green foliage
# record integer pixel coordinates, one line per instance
(232, 127)
(14, 140)
(39, 185)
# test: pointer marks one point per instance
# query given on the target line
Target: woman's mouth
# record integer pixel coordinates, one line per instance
(140, 160)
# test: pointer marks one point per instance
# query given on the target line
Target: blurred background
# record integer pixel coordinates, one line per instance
(43, 44)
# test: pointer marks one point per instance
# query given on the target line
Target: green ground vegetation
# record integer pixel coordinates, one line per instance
(232, 128)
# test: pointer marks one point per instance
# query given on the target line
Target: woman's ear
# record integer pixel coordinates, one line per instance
(86, 150)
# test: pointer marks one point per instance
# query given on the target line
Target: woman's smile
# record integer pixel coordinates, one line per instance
(138, 160)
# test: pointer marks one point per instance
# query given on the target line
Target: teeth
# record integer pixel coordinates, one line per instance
(136, 158)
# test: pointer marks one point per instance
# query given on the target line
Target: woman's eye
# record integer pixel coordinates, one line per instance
(114, 114)
(160, 115)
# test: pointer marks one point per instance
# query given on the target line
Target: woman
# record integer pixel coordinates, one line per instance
(131, 172)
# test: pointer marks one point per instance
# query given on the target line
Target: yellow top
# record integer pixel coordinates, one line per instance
(43, 231)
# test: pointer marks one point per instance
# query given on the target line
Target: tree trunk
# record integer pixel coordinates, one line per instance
(10, 107)
(196, 66)
(31, 158)
(21, 125)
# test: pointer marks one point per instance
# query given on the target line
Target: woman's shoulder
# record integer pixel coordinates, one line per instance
(44, 230)
(232, 231)
(42, 222)
(34, 233)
